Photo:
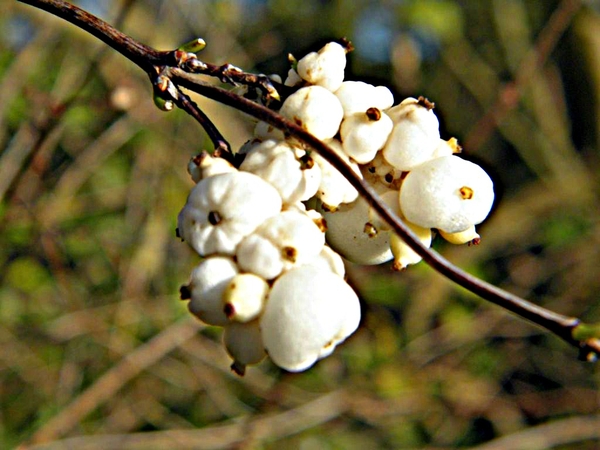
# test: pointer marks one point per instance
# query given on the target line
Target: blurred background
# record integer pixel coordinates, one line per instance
(96, 349)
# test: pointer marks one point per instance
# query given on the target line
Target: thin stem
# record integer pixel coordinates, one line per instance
(228, 73)
(222, 147)
(152, 60)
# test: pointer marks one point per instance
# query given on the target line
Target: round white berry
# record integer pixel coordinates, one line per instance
(390, 198)
(223, 209)
(358, 96)
(289, 169)
(315, 109)
(243, 342)
(309, 312)
(207, 285)
(264, 131)
(205, 165)
(363, 134)
(447, 193)
(325, 67)
(328, 259)
(244, 297)
(351, 235)
(415, 135)
(280, 243)
(334, 188)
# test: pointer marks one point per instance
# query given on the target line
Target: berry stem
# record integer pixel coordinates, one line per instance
(222, 147)
(159, 64)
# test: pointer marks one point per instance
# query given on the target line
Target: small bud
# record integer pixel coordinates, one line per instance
(195, 65)
(162, 104)
(193, 46)
(164, 84)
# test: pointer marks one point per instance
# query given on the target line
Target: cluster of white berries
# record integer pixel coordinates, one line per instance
(272, 274)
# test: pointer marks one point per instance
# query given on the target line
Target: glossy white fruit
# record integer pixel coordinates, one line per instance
(208, 282)
(348, 234)
(244, 297)
(363, 134)
(315, 109)
(358, 96)
(403, 254)
(223, 209)
(205, 165)
(287, 168)
(461, 237)
(280, 243)
(447, 193)
(309, 312)
(334, 189)
(243, 342)
(325, 67)
(415, 136)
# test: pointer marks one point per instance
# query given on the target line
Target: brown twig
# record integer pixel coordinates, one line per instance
(566, 431)
(153, 61)
(222, 147)
(229, 435)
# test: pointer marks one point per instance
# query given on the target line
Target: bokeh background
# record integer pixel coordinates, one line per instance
(96, 349)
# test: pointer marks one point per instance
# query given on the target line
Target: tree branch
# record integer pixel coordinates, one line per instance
(168, 65)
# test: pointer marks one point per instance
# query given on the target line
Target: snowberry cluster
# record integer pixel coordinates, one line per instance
(272, 231)
(268, 277)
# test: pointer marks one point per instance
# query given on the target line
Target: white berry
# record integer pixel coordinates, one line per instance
(280, 243)
(447, 193)
(300, 325)
(461, 237)
(350, 234)
(415, 135)
(358, 96)
(205, 165)
(223, 209)
(403, 254)
(289, 169)
(207, 285)
(315, 109)
(244, 297)
(334, 188)
(325, 67)
(243, 342)
(363, 134)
